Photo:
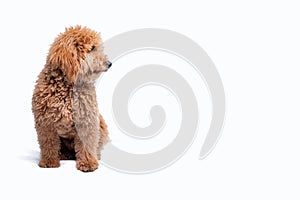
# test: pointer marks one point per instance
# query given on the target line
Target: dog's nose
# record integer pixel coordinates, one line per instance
(109, 64)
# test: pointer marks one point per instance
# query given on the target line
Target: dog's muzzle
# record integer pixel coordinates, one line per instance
(108, 64)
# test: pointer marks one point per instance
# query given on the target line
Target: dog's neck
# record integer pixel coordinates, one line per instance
(84, 84)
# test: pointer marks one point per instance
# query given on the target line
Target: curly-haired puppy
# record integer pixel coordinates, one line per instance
(64, 102)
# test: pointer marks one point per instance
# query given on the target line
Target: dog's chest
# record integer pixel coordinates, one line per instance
(84, 104)
(65, 128)
(64, 124)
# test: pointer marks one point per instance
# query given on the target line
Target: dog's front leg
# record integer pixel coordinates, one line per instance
(85, 153)
(87, 130)
(50, 145)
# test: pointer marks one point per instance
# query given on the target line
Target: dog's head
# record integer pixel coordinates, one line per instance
(78, 52)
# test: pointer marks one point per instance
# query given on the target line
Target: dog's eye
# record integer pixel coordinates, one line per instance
(93, 47)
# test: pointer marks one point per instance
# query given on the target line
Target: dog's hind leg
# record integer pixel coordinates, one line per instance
(103, 136)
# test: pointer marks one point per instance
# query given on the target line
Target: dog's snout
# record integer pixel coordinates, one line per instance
(108, 64)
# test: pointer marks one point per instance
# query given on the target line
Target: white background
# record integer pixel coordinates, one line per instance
(255, 46)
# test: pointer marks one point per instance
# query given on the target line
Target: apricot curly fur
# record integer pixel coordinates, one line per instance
(64, 103)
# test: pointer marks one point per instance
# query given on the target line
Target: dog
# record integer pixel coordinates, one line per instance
(64, 104)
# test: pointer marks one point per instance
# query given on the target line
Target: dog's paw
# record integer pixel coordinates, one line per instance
(87, 166)
(49, 163)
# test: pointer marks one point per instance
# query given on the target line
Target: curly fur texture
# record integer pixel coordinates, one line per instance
(64, 103)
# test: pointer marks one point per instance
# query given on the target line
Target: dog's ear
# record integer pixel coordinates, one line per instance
(70, 48)
(64, 56)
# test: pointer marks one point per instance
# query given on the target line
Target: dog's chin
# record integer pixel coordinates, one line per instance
(99, 71)
(105, 70)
